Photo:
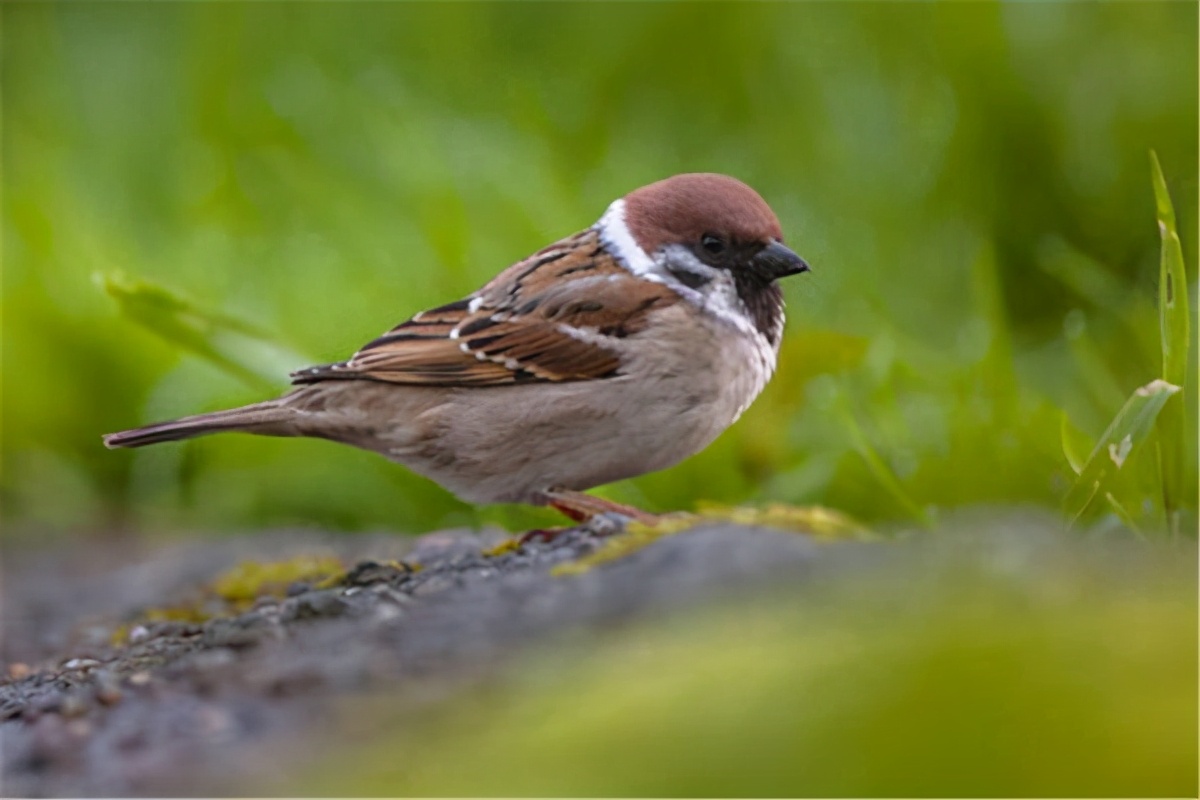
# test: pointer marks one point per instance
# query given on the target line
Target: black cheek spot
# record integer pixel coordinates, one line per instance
(693, 280)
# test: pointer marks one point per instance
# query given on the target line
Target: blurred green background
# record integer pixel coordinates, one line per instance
(1006, 662)
(971, 183)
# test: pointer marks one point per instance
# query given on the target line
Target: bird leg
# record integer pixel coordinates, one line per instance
(583, 508)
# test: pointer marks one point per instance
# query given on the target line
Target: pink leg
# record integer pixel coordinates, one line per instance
(580, 507)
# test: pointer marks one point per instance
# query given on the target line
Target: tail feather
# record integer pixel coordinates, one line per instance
(268, 419)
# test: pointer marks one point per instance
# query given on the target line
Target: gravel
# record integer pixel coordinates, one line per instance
(184, 708)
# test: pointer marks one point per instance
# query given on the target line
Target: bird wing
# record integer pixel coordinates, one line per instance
(559, 315)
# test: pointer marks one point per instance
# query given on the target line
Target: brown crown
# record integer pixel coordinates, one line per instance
(685, 207)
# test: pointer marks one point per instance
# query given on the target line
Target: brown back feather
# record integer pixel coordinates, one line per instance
(555, 316)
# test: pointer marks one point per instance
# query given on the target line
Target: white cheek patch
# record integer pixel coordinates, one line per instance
(615, 235)
(718, 294)
(721, 298)
(617, 239)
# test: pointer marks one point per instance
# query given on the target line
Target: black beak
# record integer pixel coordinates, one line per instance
(776, 261)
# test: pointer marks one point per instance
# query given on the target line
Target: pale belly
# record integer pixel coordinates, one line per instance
(507, 444)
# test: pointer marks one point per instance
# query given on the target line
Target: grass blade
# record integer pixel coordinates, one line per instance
(1124, 515)
(880, 469)
(1074, 444)
(1174, 323)
(1127, 430)
(243, 350)
(1173, 311)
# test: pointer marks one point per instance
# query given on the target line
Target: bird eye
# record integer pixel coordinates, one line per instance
(714, 244)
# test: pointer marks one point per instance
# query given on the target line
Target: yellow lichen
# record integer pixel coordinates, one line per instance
(184, 613)
(819, 522)
(250, 580)
(236, 589)
(505, 547)
(120, 634)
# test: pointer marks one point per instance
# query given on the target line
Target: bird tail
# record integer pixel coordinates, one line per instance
(268, 419)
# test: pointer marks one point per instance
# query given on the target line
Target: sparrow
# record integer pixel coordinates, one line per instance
(617, 351)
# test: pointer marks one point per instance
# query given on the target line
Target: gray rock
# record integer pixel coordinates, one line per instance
(185, 708)
(242, 631)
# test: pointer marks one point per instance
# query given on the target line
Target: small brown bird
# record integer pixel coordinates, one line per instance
(615, 352)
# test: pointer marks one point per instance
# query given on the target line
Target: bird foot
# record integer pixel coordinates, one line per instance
(608, 523)
(582, 507)
(543, 535)
(595, 515)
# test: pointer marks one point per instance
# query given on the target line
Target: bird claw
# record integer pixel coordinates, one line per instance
(606, 523)
(543, 535)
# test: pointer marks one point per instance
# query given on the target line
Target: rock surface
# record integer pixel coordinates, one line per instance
(180, 707)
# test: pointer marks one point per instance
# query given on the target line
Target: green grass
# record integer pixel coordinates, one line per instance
(261, 187)
(1178, 496)
(1154, 410)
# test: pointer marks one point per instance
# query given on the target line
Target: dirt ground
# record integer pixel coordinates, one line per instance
(107, 695)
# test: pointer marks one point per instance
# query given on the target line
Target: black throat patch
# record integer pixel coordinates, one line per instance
(764, 303)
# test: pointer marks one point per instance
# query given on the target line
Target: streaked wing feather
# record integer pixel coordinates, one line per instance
(556, 316)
